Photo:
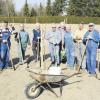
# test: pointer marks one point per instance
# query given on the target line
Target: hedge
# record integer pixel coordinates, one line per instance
(52, 19)
(77, 20)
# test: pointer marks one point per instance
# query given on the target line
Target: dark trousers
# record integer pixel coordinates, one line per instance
(36, 50)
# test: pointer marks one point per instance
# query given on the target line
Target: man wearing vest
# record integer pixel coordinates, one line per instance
(36, 42)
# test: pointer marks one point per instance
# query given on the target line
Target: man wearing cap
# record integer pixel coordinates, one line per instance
(54, 38)
(36, 42)
(23, 41)
(91, 39)
(5, 46)
(79, 47)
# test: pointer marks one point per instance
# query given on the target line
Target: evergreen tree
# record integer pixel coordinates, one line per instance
(0, 9)
(48, 8)
(3, 8)
(58, 7)
(11, 8)
(84, 7)
(33, 12)
(41, 13)
(26, 9)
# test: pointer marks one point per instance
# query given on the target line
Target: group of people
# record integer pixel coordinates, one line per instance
(79, 47)
(22, 39)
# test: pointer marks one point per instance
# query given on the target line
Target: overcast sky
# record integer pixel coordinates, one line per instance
(19, 3)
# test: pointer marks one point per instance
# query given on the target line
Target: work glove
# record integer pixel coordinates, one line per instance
(56, 44)
(4, 41)
(89, 37)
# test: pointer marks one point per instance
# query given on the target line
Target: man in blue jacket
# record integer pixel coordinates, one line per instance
(91, 39)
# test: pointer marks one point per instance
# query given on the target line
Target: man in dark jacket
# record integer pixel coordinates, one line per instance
(36, 42)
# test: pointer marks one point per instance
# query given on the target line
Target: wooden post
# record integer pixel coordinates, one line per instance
(66, 20)
(44, 45)
(41, 53)
(25, 21)
(13, 20)
(36, 19)
(98, 58)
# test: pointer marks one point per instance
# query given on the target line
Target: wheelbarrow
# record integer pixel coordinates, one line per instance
(43, 81)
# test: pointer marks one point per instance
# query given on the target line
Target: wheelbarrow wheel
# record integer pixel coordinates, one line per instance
(32, 91)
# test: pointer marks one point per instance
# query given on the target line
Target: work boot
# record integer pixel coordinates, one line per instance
(93, 75)
(77, 67)
(0, 70)
(20, 63)
(58, 64)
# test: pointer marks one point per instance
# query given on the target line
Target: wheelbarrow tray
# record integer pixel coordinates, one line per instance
(42, 76)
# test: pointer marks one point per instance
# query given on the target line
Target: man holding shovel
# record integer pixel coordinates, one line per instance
(91, 39)
(79, 47)
(23, 42)
(0, 46)
(36, 42)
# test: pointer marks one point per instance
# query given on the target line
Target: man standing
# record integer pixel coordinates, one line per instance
(36, 42)
(5, 46)
(91, 39)
(61, 30)
(0, 45)
(69, 48)
(79, 47)
(54, 39)
(23, 41)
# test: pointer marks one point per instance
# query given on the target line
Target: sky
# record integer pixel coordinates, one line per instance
(19, 3)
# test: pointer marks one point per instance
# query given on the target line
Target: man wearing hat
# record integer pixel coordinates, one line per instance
(54, 38)
(36, 42)
(91, 39)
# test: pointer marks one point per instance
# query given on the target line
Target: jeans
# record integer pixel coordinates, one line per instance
(36, 50)
(79, 53)
(4, 57)
(70, 56)
(54, 52)
(91, 54)
(21, 52)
